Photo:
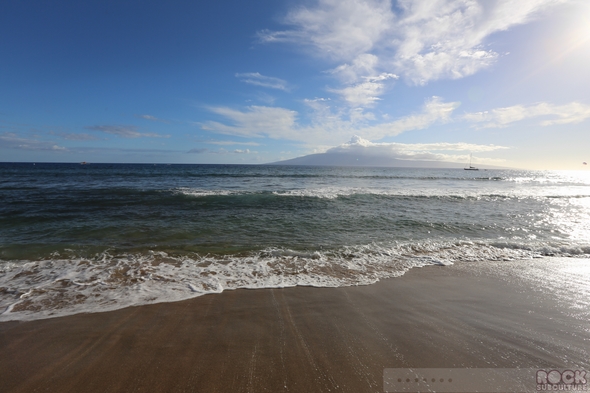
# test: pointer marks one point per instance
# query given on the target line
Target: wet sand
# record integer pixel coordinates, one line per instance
(310, 339)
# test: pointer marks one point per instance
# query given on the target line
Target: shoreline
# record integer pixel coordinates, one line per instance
(312, 339)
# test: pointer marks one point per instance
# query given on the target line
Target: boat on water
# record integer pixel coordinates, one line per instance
(470, 167)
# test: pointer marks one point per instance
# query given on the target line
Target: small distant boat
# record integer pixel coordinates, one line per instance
(83, 163)
(471, 168)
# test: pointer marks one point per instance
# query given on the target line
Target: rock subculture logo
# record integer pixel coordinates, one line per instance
(565, 380)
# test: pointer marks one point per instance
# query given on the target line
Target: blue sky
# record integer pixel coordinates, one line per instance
(256, 82)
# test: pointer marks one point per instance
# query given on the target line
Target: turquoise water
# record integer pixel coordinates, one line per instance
(94, 237)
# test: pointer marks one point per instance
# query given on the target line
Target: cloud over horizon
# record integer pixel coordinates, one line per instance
(14, 141)
(571, 113)
(220, 151)
(325, 127)
(415, 151)
(72, 136)
(125, 131)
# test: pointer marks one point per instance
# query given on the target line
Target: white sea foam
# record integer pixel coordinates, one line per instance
(204, 192)
(64, 285)
(546, 191)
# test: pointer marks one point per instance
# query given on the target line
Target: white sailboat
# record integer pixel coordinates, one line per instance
(471, 168)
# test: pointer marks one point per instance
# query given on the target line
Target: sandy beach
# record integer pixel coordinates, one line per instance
(495, 315)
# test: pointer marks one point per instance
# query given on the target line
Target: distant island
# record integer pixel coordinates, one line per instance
(360, 152)
(347, 159)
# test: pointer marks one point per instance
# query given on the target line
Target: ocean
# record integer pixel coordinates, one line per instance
(89, 238)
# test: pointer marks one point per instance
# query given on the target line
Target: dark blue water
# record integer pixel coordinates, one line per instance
(121, 234)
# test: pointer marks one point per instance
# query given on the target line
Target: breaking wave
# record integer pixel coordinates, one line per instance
(66, 284)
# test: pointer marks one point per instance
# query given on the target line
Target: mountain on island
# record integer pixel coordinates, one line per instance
(361, 152)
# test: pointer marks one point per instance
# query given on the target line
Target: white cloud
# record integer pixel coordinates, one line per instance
(445, 38)
(152, 118)
(229, 143)
(423, 40)
(263, 97)
(358, 142)
(571, 113)
(363, 64)
(568, 114)
(75, 136)
(415, 151)
(326, 127)
(440, 39)
(434, 110)
(125, 131)
(341, 29)
(257, 121)
(255, 78)
(221, 151)
(362, 94)
(13, 141)
(127, 152)
(365, 93)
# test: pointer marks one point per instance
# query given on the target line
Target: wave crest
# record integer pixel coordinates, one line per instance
(60, 285)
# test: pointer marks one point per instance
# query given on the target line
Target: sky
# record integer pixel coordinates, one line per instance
(260, 81)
